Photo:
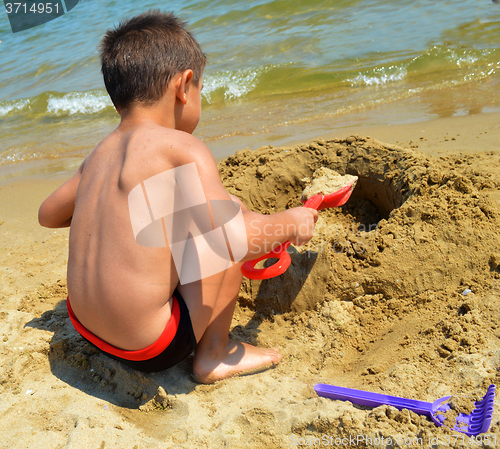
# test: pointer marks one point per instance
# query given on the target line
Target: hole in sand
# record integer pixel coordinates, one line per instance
(365, 214)
(372, 201)
(378, 196)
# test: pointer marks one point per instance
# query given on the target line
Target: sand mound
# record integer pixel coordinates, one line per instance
(405, 213)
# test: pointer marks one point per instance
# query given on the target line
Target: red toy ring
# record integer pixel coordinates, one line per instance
(248, 268)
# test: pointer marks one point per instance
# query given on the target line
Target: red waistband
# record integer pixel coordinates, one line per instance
(142, 354)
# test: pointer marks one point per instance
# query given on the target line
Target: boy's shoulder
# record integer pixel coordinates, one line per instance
(168, 142)
(146, 150)
(174, 147)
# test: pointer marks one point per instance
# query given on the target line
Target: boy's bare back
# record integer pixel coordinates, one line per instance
(121, 290)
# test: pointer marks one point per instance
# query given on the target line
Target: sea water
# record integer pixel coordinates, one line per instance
(278, 71)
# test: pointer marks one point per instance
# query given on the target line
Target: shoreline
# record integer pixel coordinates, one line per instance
(433, 137)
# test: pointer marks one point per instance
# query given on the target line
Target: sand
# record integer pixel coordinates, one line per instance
(397, 293)
(325, 181)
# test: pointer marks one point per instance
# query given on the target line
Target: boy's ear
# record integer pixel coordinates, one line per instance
(183, 84)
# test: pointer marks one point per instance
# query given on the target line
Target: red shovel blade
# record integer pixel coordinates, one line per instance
(335, 199)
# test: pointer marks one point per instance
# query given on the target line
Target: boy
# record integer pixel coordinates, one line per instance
(127, 298)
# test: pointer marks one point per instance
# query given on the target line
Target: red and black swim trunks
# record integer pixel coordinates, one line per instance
(175, 344)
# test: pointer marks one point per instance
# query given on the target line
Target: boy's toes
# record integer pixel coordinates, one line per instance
(275, 355)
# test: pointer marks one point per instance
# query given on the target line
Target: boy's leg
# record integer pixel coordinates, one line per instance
(211, 303)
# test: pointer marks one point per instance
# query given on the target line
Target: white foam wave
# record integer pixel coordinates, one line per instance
(466, 60)
(462, 57)
(380, 76)
(7, 107)
(234, 84)
(78, 103)
(11, 158)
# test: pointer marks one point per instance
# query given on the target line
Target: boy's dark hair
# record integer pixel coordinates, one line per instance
(140, 57)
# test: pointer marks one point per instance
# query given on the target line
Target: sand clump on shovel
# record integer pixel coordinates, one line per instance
(325, 181)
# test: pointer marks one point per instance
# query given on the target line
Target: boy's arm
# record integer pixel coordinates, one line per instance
(263, 232)
(57, 210)
(266, 232)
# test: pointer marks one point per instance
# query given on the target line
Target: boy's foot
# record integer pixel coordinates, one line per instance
(239, 359)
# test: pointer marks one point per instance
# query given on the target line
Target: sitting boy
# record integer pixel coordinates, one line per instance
(127, 298)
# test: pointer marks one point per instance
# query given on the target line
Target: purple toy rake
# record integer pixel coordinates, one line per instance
(477, 422)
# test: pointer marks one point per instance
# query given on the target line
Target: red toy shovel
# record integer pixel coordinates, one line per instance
(317, 202)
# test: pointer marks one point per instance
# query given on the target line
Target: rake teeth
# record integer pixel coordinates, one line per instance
(481, 416)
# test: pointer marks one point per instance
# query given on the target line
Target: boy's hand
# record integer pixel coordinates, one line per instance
(304, 220)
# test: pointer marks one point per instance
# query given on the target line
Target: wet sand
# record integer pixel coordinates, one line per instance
(397, 293)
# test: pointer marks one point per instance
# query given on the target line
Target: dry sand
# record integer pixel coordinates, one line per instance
(398, 292)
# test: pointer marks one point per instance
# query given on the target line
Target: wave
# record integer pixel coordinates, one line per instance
(379, 76)
(438, 65)
(231, 84)
(457, 56)
(9, 106)
(218, 86)
(53, 104)
(78, 103)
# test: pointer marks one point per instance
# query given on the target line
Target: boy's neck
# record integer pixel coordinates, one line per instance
(137, 113)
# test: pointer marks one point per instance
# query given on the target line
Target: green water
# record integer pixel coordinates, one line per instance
(279, 71)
